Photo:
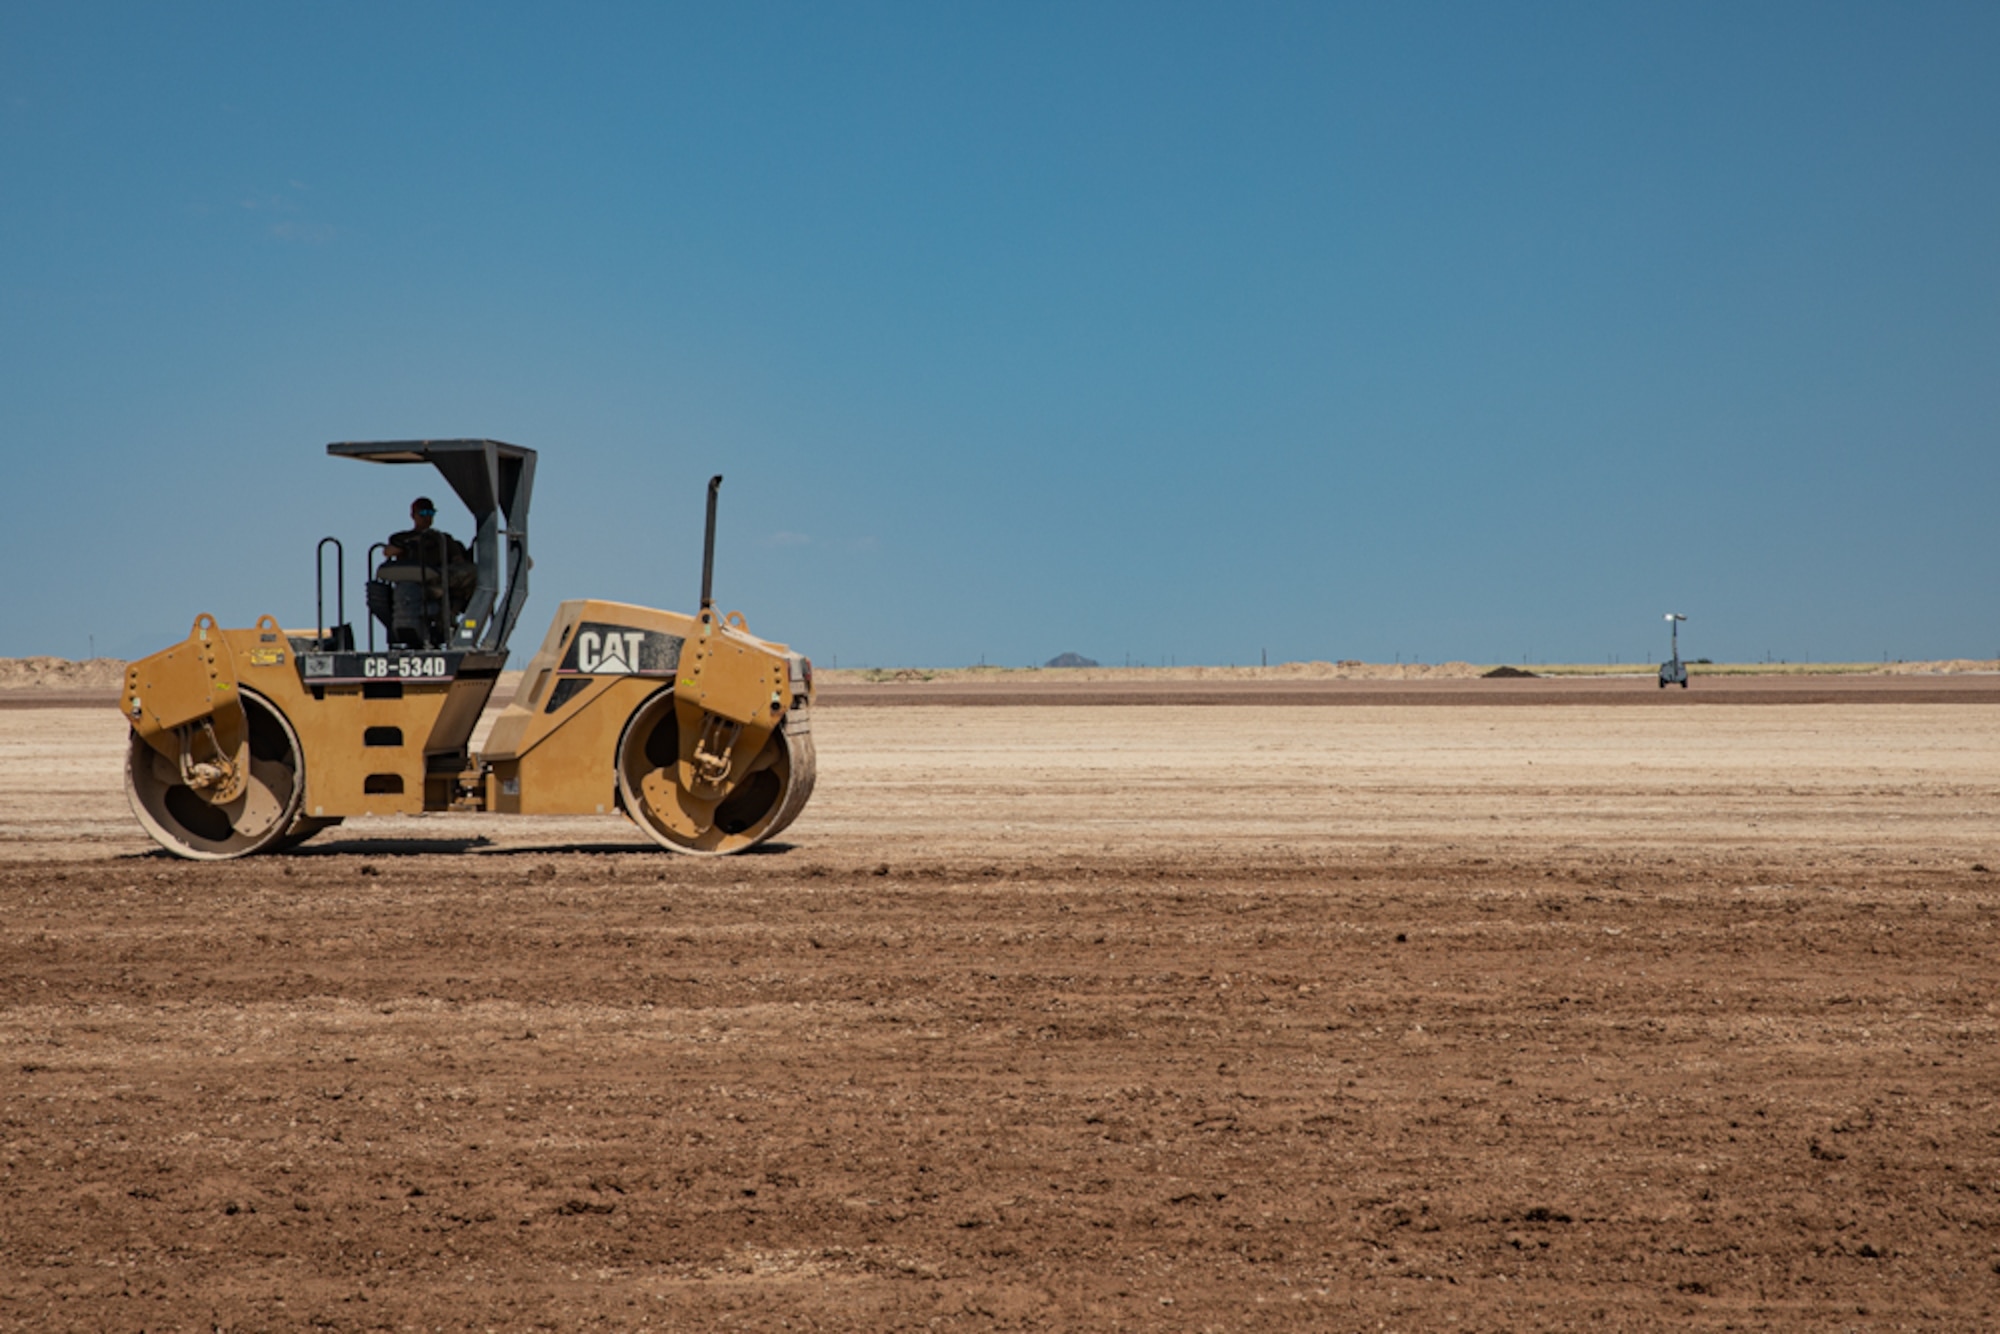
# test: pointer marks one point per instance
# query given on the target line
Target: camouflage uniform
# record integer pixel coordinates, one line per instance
(435, 549)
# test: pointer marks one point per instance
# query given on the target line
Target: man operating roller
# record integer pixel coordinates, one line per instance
(424, 552)
(422, 544)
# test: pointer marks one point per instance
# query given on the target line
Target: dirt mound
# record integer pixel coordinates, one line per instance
(1070, 660)
(1349, 670)
(61, 673)
(1509, 674)
(1345, 670)
(1944, 667)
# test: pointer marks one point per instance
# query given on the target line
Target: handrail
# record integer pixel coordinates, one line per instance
(319, 587)
(379, 546)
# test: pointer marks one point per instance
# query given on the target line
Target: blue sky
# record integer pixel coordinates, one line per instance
(1173, 331)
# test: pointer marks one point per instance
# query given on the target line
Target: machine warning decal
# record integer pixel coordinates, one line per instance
(620, 650)
(267, 657)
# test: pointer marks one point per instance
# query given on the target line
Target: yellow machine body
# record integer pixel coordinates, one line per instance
(251, 740)
(598, 664)
(369, 747)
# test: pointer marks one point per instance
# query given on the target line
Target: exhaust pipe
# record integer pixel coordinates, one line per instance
(708, 547)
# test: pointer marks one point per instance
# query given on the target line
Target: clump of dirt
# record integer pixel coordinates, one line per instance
(1509, 674)
(61, 673)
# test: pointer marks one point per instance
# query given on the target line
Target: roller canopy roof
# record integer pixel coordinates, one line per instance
(486, 474)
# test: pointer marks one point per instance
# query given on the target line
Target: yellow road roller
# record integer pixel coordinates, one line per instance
(254, 740)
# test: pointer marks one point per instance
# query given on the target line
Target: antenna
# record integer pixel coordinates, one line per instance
(708, 547)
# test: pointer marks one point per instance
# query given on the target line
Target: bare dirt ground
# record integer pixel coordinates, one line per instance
(1049, 1016)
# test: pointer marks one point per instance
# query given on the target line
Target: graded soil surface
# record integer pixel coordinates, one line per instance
(1182, 1017)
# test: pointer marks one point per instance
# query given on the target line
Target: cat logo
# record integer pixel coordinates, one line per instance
(611, 654)
(619, 650)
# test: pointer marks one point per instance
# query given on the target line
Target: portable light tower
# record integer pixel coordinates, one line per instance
(1673, 671)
